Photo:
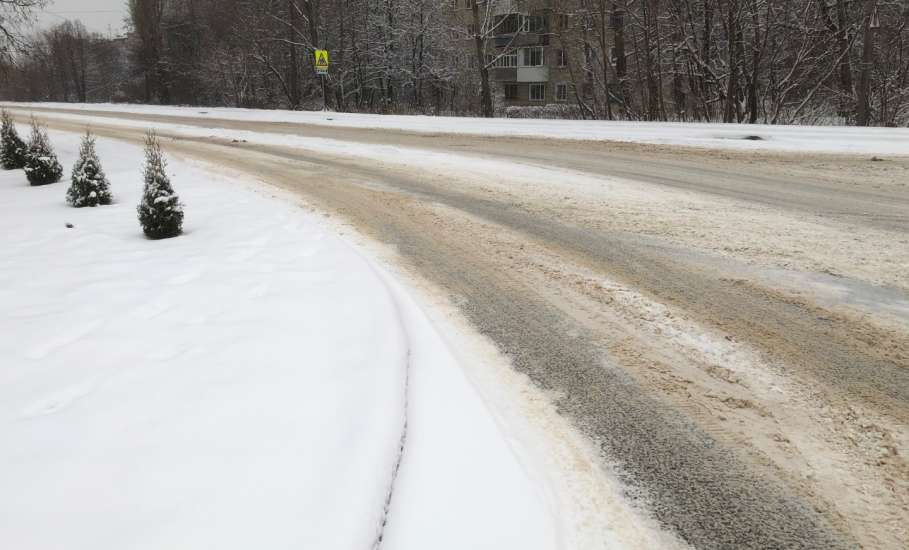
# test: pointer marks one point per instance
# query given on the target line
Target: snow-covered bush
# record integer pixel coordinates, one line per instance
(160, 211)
(12, 148)
(41, 164)
(89, 185)
(553, 111)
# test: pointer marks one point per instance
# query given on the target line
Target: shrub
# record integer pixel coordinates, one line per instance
(12, 148)
(41, 164)
(160, 211)
(553, 111)
(89, 185)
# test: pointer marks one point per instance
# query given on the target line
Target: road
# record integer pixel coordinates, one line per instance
(731, 329)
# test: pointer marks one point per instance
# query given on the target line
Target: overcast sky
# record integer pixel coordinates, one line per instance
(96, 15)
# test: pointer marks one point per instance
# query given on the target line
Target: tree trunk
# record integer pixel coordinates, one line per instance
(293, 78)
(845, 72)
(606, 61)
(621, 61)
(649, 8)
(732, 82)
(863, 109)
(756, 51)
(479, 46)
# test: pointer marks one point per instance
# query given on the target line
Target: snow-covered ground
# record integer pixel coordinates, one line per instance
(832, 139)
(242, 386)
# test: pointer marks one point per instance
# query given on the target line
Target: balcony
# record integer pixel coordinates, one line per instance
(519, 74)
(532, 74)
(503, 74)
(519, 40)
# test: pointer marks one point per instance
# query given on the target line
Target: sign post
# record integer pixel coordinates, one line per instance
(321, 64)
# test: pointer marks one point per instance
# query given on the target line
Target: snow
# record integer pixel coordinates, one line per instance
(452, 164)
(241, 386)
(829, 139)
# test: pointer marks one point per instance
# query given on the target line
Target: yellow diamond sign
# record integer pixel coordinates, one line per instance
(321, 61)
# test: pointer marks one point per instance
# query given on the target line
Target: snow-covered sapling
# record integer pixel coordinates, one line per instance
(160, 211)
(41, 164)
(12, 148)
(89, 185)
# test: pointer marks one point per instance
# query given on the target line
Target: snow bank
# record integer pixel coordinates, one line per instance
(890, 141)
(451, 433)
(241, 386)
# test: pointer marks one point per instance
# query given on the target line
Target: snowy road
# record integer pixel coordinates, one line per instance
(731, 328)
(246, 385)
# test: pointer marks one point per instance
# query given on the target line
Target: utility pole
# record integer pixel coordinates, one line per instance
(321, 64)
(324, 103)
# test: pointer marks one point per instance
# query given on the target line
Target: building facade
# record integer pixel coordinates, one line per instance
(527, 66)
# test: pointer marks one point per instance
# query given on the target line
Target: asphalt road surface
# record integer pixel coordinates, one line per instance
(731, 329)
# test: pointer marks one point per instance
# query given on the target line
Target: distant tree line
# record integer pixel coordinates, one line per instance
(753, 61)
(67, 63)
(771, 61)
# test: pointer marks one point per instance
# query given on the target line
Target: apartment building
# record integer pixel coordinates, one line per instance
(526, 66)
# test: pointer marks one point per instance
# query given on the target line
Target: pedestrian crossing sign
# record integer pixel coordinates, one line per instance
(321, 61)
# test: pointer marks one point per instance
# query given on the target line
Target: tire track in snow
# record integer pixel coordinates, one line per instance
(402, 442)
(377, 544)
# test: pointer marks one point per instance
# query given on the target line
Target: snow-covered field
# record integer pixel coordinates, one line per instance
(242, 386)
(831, 139)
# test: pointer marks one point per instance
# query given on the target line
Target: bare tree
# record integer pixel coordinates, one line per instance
(771, 61)
(13, 15)
(147, 17)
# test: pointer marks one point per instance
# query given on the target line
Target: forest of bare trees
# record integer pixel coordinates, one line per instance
(753, 61)
(771, 61)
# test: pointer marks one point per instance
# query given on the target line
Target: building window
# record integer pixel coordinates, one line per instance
(561, 92)
(535, 24)
(587, 90)
(514, 23)
(563, 21)
(562, 58)
(538, 92)
(511, 92)
(587, 22)
(509, 24)
(532, 57)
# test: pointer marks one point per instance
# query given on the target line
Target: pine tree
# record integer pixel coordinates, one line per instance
(12, 148)
(160, 211)
(89, 185)
(41, 164)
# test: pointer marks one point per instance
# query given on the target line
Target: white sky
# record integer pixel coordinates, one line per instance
(97, 15)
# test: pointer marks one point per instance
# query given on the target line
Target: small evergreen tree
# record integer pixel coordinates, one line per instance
(89, 185)
(12, 148)
(160, 211)
(41, 164)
